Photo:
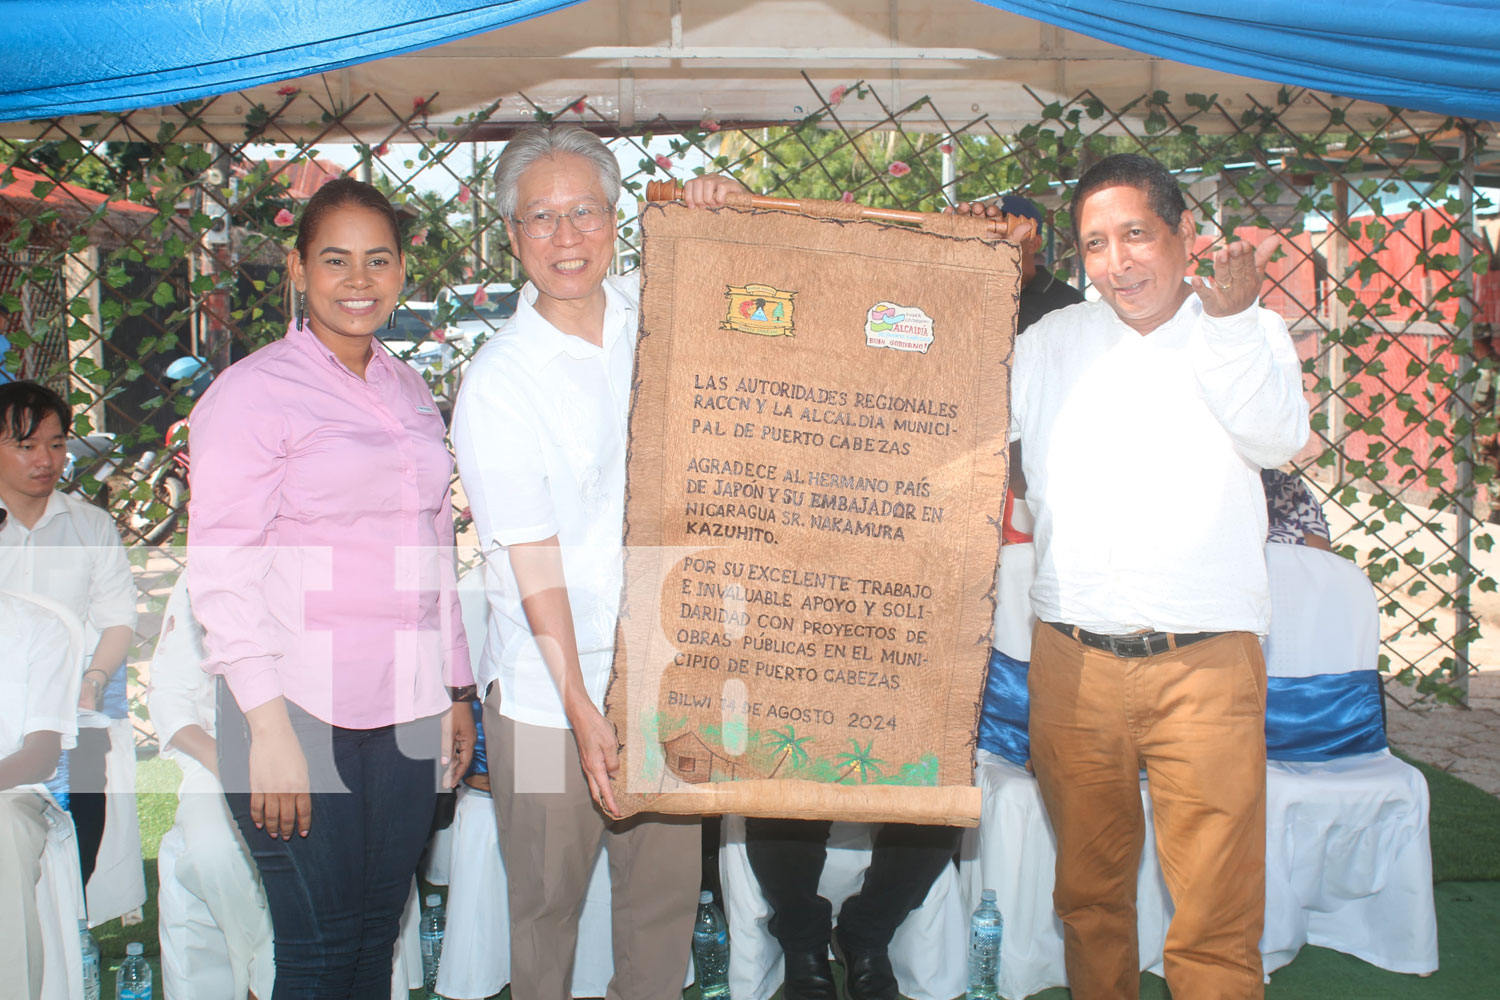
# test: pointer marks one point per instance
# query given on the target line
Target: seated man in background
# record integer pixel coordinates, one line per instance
(68, 551)
(38, 689)
(215, 864)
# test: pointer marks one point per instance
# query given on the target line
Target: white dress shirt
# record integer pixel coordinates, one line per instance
(73, 556)
(181, 693)
(38, 684)
(540, 432)
(1143, 455)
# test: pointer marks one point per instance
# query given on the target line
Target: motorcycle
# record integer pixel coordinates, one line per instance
(169, 482)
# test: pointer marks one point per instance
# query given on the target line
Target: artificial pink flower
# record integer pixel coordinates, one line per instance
(468, 272)
(419, 104)
(847, 196)
(898, 168)
(709, 125)
(663, 161)
(382, 149)
(288, 90)
(439, 334)
(837, 97)
(419, 238)
(578, 107)
(464, 194)
(480, 296)
(946, 147)
(283, 218)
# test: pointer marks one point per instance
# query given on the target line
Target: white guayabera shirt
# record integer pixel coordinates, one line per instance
(540, 432)
(1143, 458)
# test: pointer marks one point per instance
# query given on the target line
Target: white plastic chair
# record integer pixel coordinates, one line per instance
(1348, 858)
(928, 953)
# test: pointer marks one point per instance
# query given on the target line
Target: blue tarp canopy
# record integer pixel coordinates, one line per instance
(66, 57)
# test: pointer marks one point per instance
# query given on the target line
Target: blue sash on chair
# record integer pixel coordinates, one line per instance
(1007, 705)
(1323, 716)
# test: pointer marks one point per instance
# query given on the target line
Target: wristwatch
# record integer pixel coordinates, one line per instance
(468, 692)
(98, 688)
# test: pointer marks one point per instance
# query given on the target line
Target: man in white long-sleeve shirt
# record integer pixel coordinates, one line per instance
(1145, 419)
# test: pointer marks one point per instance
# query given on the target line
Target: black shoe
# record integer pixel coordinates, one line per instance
(868, 976)
(808, 975)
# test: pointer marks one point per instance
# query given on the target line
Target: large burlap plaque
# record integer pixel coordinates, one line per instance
(816, 472)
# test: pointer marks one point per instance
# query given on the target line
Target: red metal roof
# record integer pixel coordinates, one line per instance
(62, 195)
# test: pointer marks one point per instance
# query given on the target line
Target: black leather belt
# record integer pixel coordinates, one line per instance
(1138, 645)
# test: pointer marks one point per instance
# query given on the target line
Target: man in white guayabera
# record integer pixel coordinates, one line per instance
(1145, 419)
(540, 433)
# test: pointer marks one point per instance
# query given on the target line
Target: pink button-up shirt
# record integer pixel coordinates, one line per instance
(320, 537)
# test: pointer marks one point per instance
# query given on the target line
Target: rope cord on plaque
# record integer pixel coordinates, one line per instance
(817, 465)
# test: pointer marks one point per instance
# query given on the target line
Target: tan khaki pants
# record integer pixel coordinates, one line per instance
(23, 835)
(1195, 720)
(549, 835)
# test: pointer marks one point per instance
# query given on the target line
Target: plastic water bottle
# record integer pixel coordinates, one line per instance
(434, 918)
(711, 949)
(985, 931)
(134, 979)
(92, 990)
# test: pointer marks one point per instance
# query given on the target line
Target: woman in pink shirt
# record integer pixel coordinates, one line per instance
(321, 540)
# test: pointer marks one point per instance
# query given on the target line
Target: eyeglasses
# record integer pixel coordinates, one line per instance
(586, 218)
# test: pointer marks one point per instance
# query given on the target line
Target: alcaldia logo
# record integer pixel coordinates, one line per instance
(901, 328)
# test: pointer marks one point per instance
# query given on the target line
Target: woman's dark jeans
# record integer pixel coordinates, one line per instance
(336, 895)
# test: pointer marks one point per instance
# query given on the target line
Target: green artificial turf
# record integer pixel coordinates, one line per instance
(1465, 826)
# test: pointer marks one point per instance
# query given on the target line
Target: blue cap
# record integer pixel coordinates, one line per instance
(1014, 204)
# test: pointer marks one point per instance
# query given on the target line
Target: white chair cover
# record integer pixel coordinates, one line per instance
(476, 944)
(194, 957)
(59, 892)
(59, 903)
(1348, 859)
(1014, 852)
(475, 609)
(406, 962)
(929, 952)
(118, 885)
(1013, 579)
(437, 857)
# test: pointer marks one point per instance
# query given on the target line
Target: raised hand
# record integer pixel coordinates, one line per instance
(1239, 272)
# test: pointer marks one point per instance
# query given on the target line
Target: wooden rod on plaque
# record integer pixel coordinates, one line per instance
(1008, 227)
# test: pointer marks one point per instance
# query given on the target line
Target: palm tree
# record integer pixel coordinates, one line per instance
(787, 743)
(861, 758)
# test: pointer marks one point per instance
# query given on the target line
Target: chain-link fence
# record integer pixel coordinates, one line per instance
(133, 266)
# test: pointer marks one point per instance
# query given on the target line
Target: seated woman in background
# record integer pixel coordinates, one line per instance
(1293, 513)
